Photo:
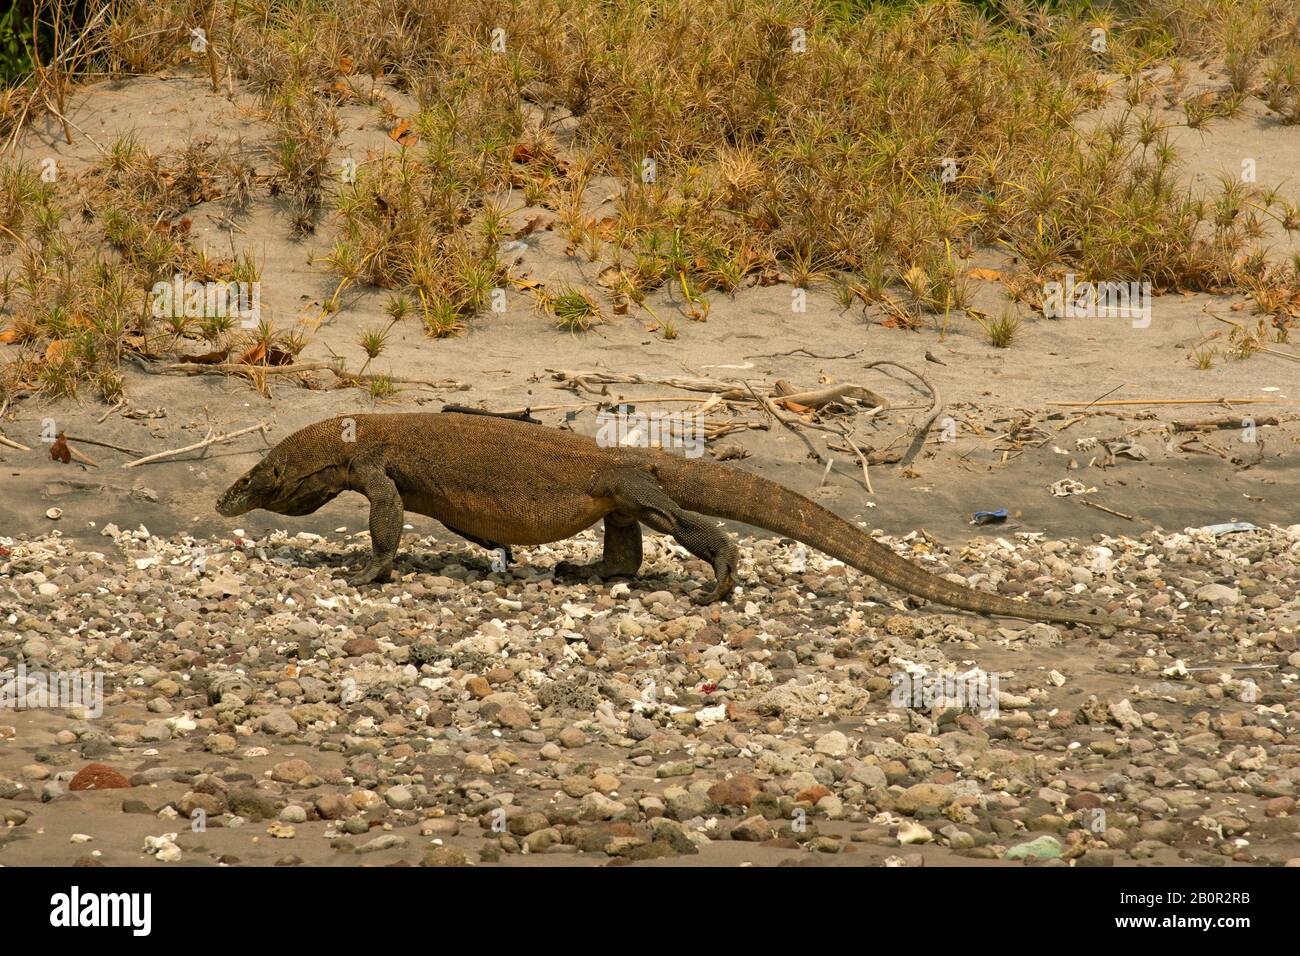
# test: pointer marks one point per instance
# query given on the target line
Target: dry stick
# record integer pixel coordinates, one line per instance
(866, 475)
(85, 459)
(104, 444)
(213, 440)
(728, 389)
(10, 443)
(1181, 401)
(67, 122)
(198, 368)
(818, 397)
(1211, 424)
(585, 379)
(936, 407)
(829, 461)
(805, 352)
(1093, 504)
(210, 48)
(598, 404)
(104, 416)
(1104, 395)
(788, 423)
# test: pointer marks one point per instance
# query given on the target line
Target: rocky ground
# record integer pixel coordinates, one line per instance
(259, 711)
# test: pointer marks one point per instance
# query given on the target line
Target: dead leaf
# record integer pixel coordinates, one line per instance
(611, 277)
(8, 335)
(530, 227)
(207, 358)
(988, 275)
(60, 451)
(254, 355)
(402, 134)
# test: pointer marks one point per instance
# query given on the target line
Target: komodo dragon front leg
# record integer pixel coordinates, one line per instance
(637, 497)
(386, 512)
(367, 475)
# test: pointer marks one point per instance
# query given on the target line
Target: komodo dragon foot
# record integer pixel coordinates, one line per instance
(622, 557)
(640, 500)
(372, 573)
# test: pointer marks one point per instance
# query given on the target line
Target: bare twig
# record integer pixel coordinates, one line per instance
(1117, 514)
(936, 406)
(104, 444)
(211, 440)
(1211, 424)
(1179, 401)
(866, 475)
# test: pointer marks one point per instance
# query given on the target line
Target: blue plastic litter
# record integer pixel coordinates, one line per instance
(990, 517)
(1230, 527)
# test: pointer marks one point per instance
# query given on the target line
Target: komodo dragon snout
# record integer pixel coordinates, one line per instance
(274, 485)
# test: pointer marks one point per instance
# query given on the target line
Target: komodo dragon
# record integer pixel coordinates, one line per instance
(500, 482)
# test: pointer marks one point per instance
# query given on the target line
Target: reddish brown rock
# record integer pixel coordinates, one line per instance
(357, 646)
(1280, 807)
(1084, 801)
(738, 791)
(98, 776)
(812, 794)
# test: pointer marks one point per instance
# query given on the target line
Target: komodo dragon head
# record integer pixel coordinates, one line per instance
(279, 483)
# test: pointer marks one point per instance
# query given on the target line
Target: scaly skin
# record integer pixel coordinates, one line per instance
(500, 482)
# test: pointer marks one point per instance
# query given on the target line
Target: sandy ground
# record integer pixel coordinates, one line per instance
(504, 361)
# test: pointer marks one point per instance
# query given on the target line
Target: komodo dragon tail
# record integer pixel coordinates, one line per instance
(713, 489)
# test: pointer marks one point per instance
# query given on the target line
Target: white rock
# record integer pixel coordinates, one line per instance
(833, 744)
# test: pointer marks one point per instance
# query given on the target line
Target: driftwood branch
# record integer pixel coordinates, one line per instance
(254, 371)
(1211, 424)
(936, 406)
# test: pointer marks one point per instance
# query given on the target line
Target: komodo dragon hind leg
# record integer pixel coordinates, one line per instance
(622, 556)
(637, 494)
(367, 476)
(482, 543)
